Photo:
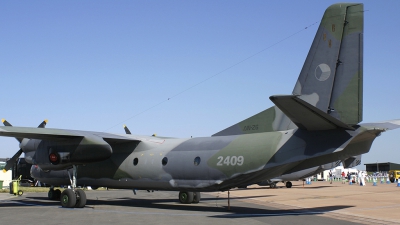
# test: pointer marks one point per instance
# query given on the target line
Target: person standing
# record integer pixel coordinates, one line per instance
(363, 178)
(349, 177)
(330, 176)
(343, 178)
(360, 178)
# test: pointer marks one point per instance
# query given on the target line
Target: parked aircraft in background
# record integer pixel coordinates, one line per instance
(317, 124)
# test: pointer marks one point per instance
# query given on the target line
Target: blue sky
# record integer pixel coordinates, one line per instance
(96, 65)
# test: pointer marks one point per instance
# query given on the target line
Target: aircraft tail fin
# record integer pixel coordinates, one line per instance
(331, 78)
(332, 75)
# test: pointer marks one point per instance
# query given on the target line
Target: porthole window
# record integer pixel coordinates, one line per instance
(164, 161)
(197, 161)
(135, 161)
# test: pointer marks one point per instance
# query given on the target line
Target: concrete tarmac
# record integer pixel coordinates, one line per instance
(318, 203)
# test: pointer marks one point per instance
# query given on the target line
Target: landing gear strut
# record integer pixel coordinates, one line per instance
(74, 197)
(187, 197)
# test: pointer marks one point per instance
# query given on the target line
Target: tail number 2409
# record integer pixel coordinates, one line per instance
(230, 160)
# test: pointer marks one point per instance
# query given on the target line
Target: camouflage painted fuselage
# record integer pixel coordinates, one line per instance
(225, 161)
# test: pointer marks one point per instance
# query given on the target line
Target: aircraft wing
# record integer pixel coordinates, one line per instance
(60, 134)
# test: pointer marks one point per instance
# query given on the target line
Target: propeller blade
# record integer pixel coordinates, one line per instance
(6, 123)
(43, 124)
(127, 131)
(10, 163)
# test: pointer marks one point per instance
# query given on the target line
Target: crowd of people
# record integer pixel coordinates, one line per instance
(360, 177)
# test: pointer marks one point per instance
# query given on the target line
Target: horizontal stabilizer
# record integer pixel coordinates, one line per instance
(305, 115)
(384, 125)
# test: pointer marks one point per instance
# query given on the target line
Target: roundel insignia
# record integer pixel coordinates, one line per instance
(322, 72)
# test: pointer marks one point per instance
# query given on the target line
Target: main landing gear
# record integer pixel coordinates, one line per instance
(69, 198)
(73, 198)
(54, 194)
(187, 197)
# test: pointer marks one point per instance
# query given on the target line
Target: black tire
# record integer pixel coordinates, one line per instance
(57, 194)
(80, 198)
(288, 184)
(196, 197)
(20, 193)
(273, 185)
(186, 197)
(392, 179)
(68, 198)
(50, 194)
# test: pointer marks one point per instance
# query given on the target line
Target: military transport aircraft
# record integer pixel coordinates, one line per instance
(317, 124)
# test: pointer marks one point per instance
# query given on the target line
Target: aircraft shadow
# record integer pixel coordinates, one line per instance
(29, 201)
(239, 210)
(236, 198)
(318, 187)
(207, 204)
(247, 212)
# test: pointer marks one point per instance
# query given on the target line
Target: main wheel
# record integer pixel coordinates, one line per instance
(186, 197)
(196, 197)
(57, 194)
(80, 198)
(272, 185)
(288, 184)
(50, 194)
(68, 198)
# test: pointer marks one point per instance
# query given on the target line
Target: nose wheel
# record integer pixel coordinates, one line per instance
(73, 198)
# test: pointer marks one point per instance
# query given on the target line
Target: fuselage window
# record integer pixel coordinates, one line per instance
(164, 161)
(135, 161)
(197, 161)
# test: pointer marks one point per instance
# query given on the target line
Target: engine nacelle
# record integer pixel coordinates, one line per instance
(62, 154)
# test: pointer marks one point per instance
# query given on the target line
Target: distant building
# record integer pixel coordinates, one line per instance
(376, 167)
